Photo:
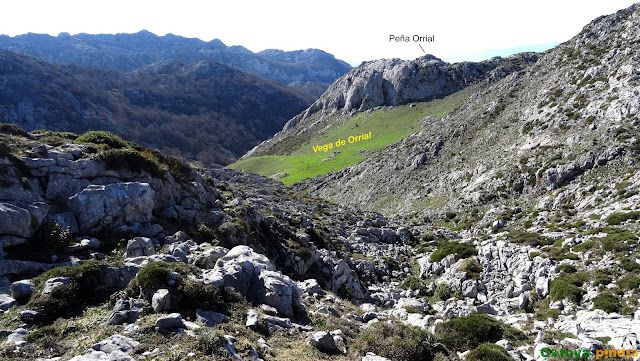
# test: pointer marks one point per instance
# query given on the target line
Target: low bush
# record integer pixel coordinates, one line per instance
(629, 283)
(12, 129)
(607, 302)
(398, 342)
(442, 292)
(102, 137)
(155, 274)
(469, 332)
(413, 282)
(617, 242)
(629, 265)
(618, 218)
(489, 352)
(472, 268)
(529, 238)
(460, 249)
(568, 286)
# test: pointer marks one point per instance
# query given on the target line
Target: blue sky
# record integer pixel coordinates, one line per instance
(351, 30)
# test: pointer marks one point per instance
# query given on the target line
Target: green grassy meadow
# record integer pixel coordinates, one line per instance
(387, 126)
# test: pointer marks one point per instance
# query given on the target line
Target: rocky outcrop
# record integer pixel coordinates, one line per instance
(255, 277)
(97, 207)
(116, 347)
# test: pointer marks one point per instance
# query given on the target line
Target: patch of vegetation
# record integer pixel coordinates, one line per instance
(568, 286)
(398, 342)
(87, 287)
(460, 249)
(489, 351)
(13, 129)
(472, 268)
(529, 238)
(602, 277)
(617, 242)
(100, 137)
(414, 283)
(442, 292)
(607, 302)
(154, 274)
(51, 235)
(629, 283)
(469, 332)
(618, 218)
(585, 246)
(567, 268)
(629, 265)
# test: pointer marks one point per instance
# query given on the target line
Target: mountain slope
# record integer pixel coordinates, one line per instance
(127, 52)
(204, 111)
(551, 132)
(385, 83)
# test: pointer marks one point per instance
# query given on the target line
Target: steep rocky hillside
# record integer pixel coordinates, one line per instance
(127, 52)
(386, 83)
(555, 132)
(204, 111)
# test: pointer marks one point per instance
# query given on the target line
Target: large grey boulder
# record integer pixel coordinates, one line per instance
(100, 206)
(323, 341)
(140, 246)
(171, 321)
(255, 277)
(210, 318)
(22, 290)
(21, 219)
(161, 300)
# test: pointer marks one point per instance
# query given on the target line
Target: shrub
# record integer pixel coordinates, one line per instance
(607, 302)
(461, 250)
(155, 274)
(618, 218)
(629, 264)
(602, 277)
(585, 246)
(472, 268)
(617, 242)
(102, 137)
(529, 238)
(629, 283)
(87, 287)
(442, 292)
(51, 235)
(567, 268)
(211, 343)
(413, 282)
(12, 129)
(568, 286)
(489, 352)
(129, 159)
(466, 333)
(398, 342)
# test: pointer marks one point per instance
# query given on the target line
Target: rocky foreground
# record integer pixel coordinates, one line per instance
(116, 252)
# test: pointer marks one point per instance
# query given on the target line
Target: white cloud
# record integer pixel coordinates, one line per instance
(351, 30)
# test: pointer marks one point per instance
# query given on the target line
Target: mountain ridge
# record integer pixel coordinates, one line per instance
(153, 105)
(127, 52)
